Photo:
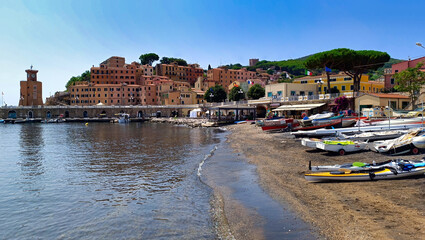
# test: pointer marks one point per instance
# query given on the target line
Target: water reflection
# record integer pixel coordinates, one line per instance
(31, 150)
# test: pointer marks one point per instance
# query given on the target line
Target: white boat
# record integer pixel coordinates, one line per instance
(310, 142)
(409, 142)
(378, 174)
(341, 146)
(123, 118)
(333, 132)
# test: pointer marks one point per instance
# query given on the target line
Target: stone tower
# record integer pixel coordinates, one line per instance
(31, 90)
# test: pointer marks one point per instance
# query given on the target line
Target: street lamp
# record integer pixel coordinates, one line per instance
(420, 45)
(237, 103)
(211, 96)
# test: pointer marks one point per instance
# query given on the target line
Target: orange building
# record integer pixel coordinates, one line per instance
(225, 77)
(175, 72)
(115, 83)
(31, 90)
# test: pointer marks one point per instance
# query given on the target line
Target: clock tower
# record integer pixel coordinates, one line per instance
(31, 90)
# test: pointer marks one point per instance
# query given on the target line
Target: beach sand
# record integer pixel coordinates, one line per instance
(393, 209)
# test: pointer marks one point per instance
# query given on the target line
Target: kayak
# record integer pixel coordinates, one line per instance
(361, 166)
(378, 174)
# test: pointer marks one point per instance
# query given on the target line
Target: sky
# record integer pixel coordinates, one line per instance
(64, 38)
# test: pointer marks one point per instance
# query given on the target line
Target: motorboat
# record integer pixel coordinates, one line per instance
(412, 142)
(341, 146)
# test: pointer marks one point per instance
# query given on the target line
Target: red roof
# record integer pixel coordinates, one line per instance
(387, 95)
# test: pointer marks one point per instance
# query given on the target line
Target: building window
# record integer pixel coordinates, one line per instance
(293, 93)
(392, 81)
(269, 94)
(343, 88)
(352, 87)
(279, 93)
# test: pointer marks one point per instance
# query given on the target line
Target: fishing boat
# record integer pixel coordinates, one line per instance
(361, 166)
(341, 146)
(279, 124)
(400, 171)
(409, 142)
(309, 121)
(335, 122)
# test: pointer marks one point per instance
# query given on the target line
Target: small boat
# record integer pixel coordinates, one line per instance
(341, 146)
(409, 142)
(279, 124)
(310, 142)
(361, 166)
(1, 121)
(334, 123)
(309, 121)
(123, 118)
(376, 174)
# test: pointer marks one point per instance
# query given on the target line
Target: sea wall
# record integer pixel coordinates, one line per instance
(191, 122)
(92, 111)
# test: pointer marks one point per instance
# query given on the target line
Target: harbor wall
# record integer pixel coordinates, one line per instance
(44, 112)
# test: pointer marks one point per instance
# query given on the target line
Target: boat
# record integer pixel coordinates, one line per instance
(361, 166)
(279, 124)
(1, 121)
(310, 142)
(373, 136)
(409, 142)
(333, 123)
(333, 131)
(341, 146)
(123, 118)
(400, 171)
(309, 121)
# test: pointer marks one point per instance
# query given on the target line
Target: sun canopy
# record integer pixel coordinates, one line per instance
(299, 107)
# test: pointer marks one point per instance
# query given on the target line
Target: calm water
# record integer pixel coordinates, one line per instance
(116, 181)
(112, 181)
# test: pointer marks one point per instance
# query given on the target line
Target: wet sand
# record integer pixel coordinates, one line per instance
(393, 209)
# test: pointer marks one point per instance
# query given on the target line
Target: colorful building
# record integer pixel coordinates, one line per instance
(224, 77)
(176, 72)
(398, 67)
(342, 82)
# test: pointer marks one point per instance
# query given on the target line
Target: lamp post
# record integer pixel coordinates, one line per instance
(420, 45)
(237, 104)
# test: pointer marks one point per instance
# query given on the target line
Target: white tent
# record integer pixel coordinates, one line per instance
(194, 112)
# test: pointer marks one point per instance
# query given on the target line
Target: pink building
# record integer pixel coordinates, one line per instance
(398, 67)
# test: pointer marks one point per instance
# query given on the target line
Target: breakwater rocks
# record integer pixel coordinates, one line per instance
(191, 122)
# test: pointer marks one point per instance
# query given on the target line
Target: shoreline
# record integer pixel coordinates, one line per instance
(390, 209)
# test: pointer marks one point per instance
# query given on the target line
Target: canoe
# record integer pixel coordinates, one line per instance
(379, 174)
(361, 166)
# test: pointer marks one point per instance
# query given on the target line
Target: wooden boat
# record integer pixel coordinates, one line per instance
(279, 124)
(341, 146)
(376, 174)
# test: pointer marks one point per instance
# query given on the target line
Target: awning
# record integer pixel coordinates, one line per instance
(299, 107)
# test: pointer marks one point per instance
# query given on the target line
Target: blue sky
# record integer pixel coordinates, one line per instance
(65, 38)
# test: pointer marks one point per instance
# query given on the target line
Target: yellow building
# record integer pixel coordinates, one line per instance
(342, 82)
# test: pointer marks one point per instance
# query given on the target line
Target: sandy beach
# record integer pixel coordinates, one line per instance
(393, 209)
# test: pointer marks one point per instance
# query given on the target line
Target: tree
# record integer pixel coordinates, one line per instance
(411, 81)
(215, 94)
(209, 67)
(235, 95)
(148, 58)
(341, 104)
(179, 61)
(85, 76)
(323, 60)
(256, 92)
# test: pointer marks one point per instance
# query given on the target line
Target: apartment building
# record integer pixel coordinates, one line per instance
(176, 72)
(398, 67)
(116, 83)
(225, 77)
(342, 82)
